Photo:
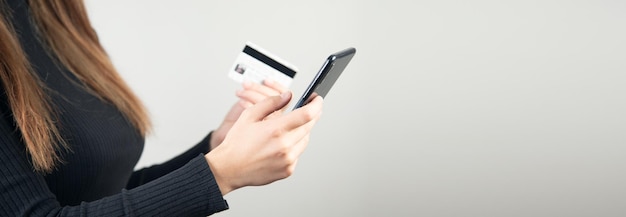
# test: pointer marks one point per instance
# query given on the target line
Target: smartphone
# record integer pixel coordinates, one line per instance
(327, 76)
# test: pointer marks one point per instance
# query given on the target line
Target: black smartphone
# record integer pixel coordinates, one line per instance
(326, 77)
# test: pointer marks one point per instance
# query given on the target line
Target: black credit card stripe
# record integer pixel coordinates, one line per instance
(269, 61)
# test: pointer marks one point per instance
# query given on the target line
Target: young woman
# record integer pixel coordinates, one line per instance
(71, 131)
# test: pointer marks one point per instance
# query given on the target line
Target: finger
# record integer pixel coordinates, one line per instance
(298, 133)
(295, 151)
(274, 85)
(245, 104)
(251, 96)
(301, 135)
(261, 89)
(276, 114)
(262, 109)
(303, 114)
(291, 169)
(299, 147)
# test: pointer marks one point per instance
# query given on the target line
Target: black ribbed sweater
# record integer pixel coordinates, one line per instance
(96, 178)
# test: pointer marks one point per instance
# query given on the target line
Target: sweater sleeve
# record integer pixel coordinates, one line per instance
(148, 174)
(190, 190)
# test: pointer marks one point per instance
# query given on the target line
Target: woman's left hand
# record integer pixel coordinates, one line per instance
(251, 94)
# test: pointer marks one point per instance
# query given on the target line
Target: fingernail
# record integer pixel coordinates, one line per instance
(268, 81)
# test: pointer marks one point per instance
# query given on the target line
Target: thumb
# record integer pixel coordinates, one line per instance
(266, 107)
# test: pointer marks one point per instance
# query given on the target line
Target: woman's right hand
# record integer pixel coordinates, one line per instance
(263, 146)
(252, 93)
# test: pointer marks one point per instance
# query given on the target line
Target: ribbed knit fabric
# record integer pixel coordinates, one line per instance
(96, 177)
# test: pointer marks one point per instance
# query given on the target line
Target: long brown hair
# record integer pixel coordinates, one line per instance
(64, 27)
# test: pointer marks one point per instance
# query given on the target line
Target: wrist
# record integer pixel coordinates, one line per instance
(218, 173)
(216, 139)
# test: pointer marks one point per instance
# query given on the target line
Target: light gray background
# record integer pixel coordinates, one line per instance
(449, 108)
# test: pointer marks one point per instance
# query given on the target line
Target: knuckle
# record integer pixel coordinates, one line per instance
(291, 159)
(308, 115)
(288, 171)
(285, 155)
(277, 133)
(288, 165)
(282, 151)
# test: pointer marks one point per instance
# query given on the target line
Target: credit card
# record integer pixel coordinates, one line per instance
(256, 64)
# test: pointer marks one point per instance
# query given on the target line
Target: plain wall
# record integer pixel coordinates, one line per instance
(449, 108)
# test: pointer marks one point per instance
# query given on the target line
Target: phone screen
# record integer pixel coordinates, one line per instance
(327, 76)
